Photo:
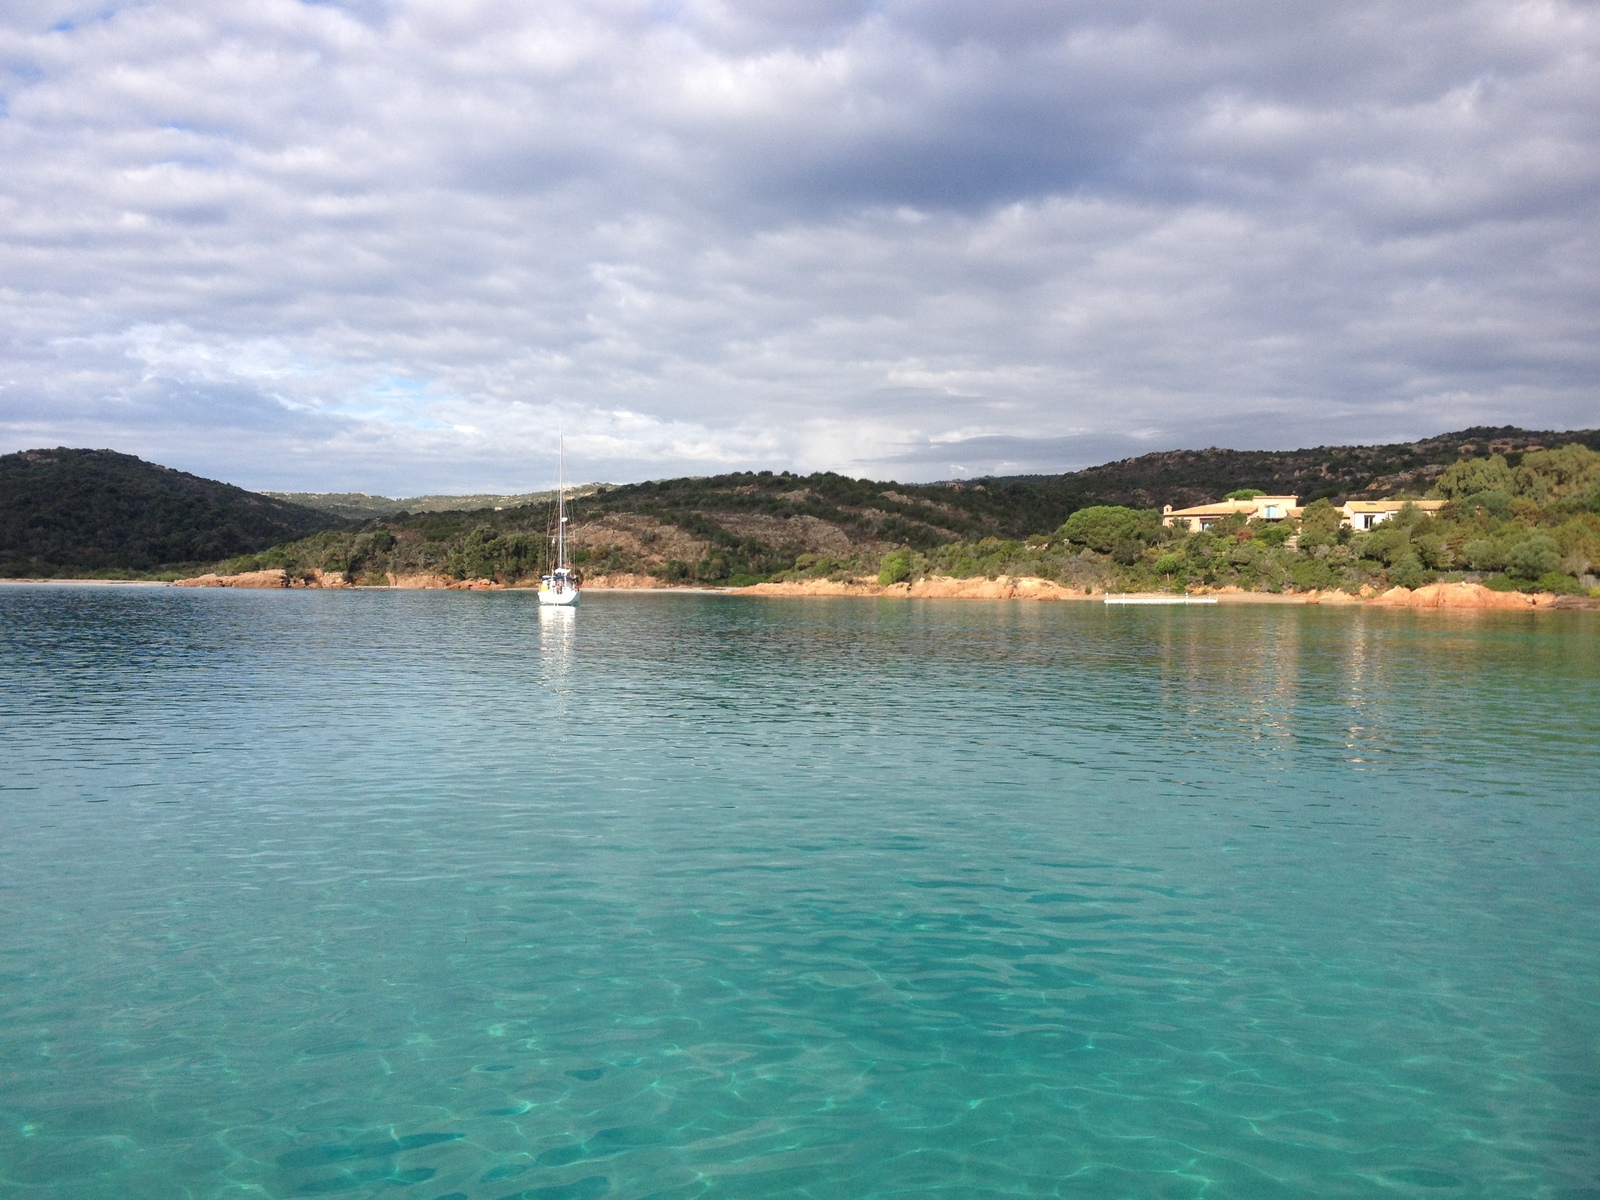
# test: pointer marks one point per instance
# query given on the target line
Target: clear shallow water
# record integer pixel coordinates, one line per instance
(417, 895)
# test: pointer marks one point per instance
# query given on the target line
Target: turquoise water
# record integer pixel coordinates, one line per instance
(410, 894)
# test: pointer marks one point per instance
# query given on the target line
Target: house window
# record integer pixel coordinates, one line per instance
(1272, 512)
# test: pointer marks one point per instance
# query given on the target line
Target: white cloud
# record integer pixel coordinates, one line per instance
(388, 245)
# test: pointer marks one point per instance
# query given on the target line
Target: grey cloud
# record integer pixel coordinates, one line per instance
(399, 240)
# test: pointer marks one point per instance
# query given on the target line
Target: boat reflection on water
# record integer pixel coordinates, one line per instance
(557, 631)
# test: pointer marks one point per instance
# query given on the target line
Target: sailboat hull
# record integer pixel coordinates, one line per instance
(565, 597)
(559, 589)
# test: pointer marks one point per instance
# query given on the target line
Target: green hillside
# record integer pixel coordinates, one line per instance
(84, 512)
(723, 529)
(728, 530)
(98, 512)
(1185, 477)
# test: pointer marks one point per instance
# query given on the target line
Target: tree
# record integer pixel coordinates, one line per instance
(1310, 573)
(1495, 503)
(1242, 554)
(1471, 475)
(1386, 544)
(895, 568)
(1319, 524)
(1434, 551)
(1482, 554)
(1407, 571)
(1533, 556)
(1560, 583)
(1565, 471)
(1271, 533)
(1101, 526)
(1127, 551)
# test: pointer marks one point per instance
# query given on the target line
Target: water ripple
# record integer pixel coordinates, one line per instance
(407, 894)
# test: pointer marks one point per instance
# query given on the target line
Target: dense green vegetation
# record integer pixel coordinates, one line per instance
(724, 530)
(459, 545)
(914, 514)
(1534, 526)
(1185, 477)
(97, 512)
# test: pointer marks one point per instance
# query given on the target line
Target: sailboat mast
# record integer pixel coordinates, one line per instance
(561, 505)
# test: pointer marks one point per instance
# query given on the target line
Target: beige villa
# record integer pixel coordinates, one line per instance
(1354, 514)
(1364, 514)
(1260, 508)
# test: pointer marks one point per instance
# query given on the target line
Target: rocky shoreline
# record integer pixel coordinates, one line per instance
(1435, 595)
(328, 580)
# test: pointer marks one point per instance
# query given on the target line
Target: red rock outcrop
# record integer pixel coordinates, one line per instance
(935, 587)
(1462, 595)
(276, 578)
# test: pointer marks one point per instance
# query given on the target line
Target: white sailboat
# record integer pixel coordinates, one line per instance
(563, 585)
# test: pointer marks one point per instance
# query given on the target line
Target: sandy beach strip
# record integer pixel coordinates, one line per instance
(1464, 596)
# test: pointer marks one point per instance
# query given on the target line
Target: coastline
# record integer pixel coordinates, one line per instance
(1455, 596)
(1468, 596)
(1463, 596)
(31, 582)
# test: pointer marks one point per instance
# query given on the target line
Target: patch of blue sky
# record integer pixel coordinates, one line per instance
(370, 11)
(73, 24)
(393, 400)
(399, 385)
(664, 12)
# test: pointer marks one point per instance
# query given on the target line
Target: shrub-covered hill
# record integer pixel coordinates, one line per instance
(737, 529)
(73, 511)
(1185, 477)
(718, 530)
(98, 512)
(1534, 526)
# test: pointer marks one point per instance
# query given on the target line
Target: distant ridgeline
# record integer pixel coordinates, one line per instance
(97, 512)
(359, 506)
(1518, 501)
(1185, 477)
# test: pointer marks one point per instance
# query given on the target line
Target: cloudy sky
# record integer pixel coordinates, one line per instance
(392, 246)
